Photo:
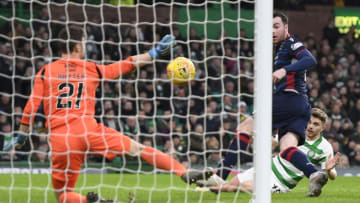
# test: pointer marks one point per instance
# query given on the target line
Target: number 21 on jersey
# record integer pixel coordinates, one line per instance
(64, 100)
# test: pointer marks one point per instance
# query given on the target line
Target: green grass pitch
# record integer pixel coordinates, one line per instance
(162, 188)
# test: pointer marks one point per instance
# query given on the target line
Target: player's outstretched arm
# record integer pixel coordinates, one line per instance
(165, 46)
(114, 70)
(331, 164)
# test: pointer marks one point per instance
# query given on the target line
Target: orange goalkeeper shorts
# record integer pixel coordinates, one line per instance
(72, 143)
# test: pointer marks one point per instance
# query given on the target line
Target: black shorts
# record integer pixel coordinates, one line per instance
(291, 113)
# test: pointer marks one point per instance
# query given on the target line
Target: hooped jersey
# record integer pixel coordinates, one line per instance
(317, 151)
(67, 89)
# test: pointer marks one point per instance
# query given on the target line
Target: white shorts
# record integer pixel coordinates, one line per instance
(276, 185)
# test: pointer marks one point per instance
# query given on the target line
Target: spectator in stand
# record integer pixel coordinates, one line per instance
(230, 87)
(226, 134)
(213, 118)
(148, 142)
(180, 102)
(331, 33)
(5, 103)
(356, 135)
(196, 140)
(169, 148)
(130, 128)
(355, 156)
(336, 112)
(128, 108)
(42, 149)
(212, 149)
(110, 119)
(314, 97)
(328, 84)
(355, 112)
(5, 132)
(229, 105)
(3, 121)
(343, 161)
(162, 122)
(180, 148)
(243, 111)
(194, 160)
(6, 69)
(214, 71)
(196, 106)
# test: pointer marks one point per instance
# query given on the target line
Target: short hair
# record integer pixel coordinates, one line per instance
(320, 114)
(282, 16)
(70, 36)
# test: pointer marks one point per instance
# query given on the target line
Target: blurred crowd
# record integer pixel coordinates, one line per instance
(195, 122)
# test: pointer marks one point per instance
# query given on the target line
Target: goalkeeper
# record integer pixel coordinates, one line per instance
(285, 175)
(66, 88)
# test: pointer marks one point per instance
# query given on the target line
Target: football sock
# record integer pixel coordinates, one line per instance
(163, 161)
(71, 197)
(299, 160)
(240, 140)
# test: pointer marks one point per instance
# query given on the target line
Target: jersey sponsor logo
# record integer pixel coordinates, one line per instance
(296, 45)
(311, 154)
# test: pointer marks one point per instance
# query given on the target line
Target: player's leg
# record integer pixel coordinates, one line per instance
(240, 142)
(290, 152)
(161, 160)
(66, 165)
(242, 182)
(230, 186)
(70, 197)
(73, 197)
(111, 143)
(291, 113)
(64, 178)
(156, 158)
(234, 185)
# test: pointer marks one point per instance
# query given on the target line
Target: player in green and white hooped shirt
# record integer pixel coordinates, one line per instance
(285, 176)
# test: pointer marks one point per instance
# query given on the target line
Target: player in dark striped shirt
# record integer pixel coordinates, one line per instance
(291, 109)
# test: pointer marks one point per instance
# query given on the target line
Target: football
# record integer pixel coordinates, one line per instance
(181, 70)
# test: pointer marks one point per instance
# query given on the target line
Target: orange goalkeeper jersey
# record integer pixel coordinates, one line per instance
(67, 89)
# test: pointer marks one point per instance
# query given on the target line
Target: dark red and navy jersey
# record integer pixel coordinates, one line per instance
(296, 59)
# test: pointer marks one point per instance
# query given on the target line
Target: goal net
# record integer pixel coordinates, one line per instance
(194, 123)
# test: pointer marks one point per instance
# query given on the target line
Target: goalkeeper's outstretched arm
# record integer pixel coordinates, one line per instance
(165, 46)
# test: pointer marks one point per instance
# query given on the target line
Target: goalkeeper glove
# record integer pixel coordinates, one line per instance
(166, 44)
(17, 141)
